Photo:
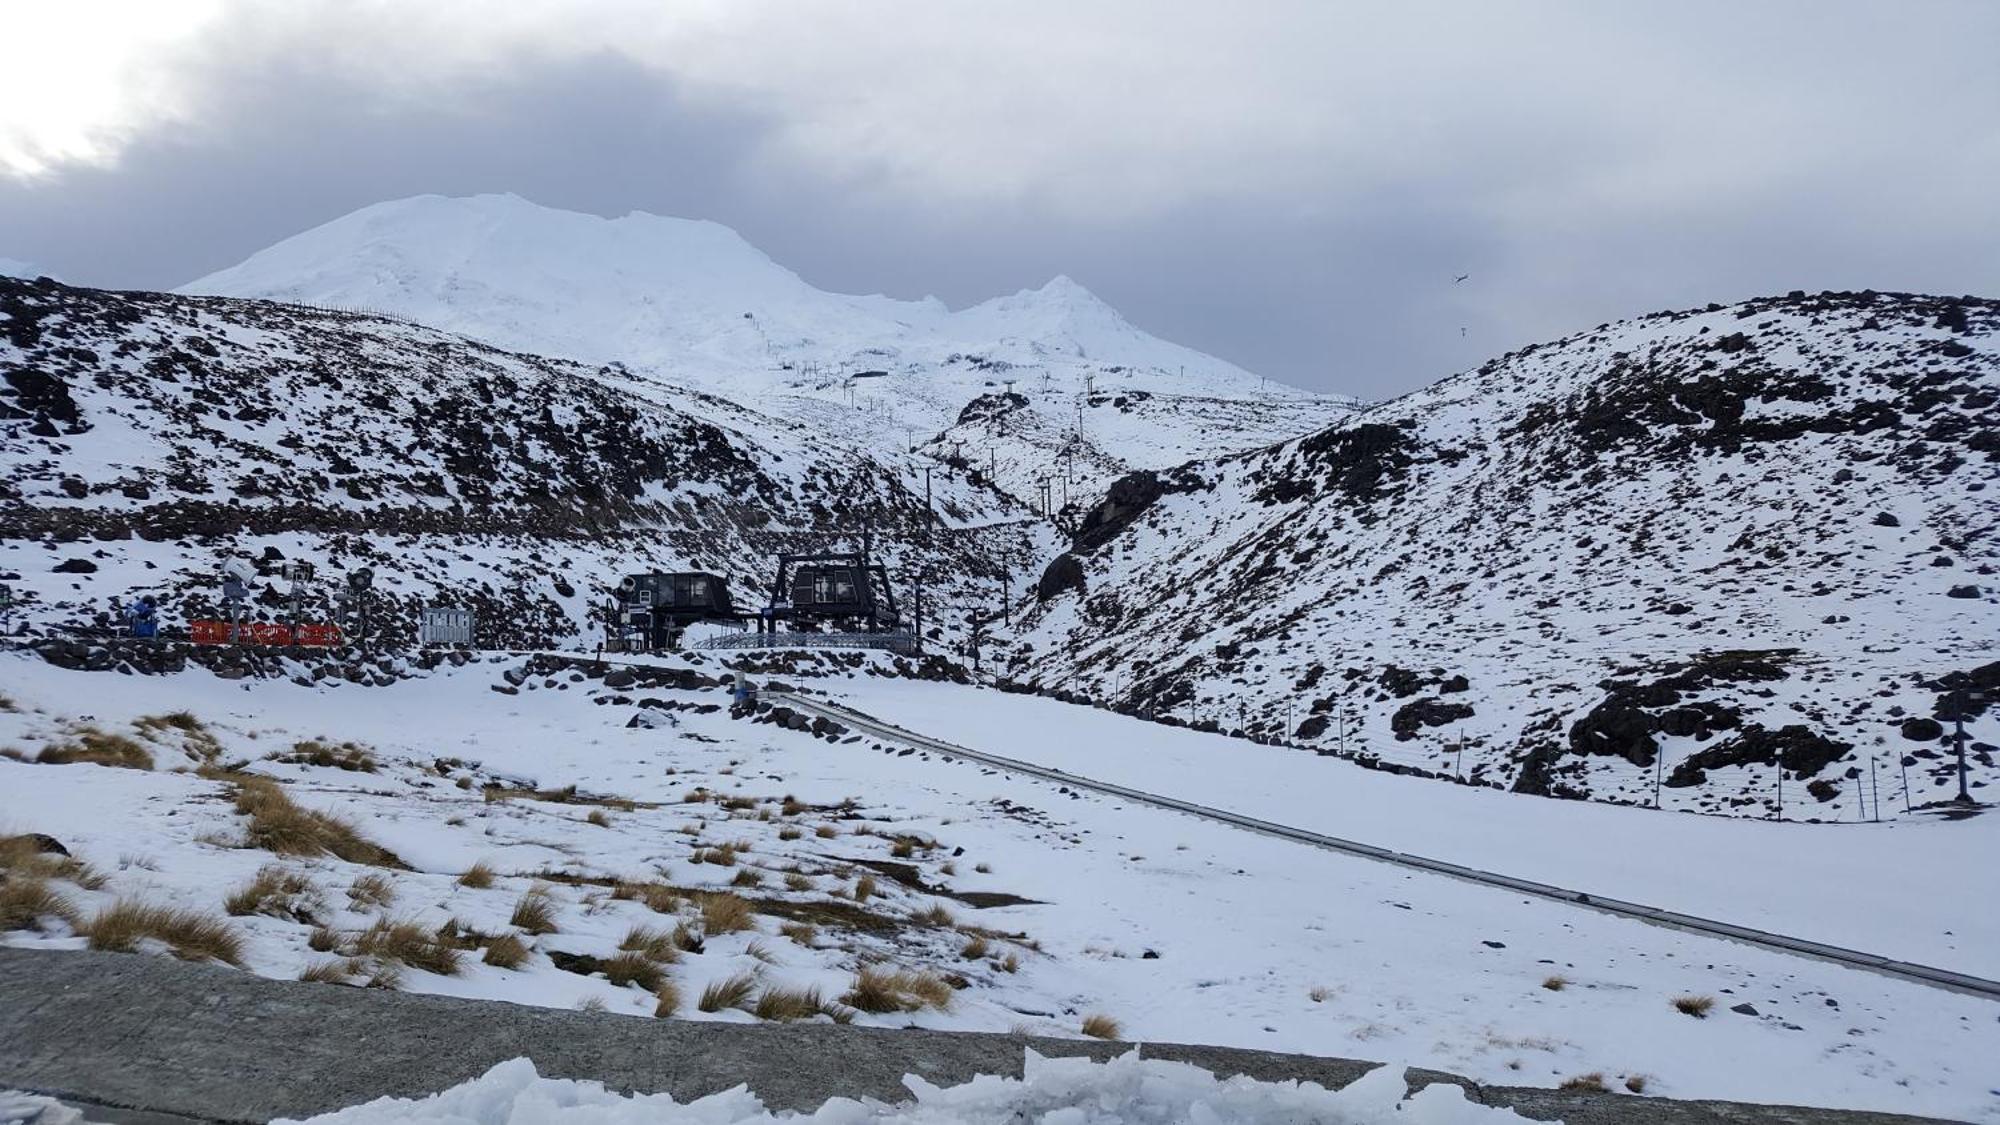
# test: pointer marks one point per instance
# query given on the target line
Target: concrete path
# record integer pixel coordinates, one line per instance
(156, 1036)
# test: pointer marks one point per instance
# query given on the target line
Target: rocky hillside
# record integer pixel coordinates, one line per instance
(1684, 548)
(146, 435)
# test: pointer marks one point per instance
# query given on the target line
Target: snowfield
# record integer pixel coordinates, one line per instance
(1012, 903)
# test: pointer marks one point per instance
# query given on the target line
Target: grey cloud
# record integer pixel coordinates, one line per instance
(1582, 214)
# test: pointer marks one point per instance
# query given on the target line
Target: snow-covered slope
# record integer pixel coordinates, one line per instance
(1674, 548)
(693, 302)
(144, 435)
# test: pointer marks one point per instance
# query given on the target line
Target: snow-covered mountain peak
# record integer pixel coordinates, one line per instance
(694, 303)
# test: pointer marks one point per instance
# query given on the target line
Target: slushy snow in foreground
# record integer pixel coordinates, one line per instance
(1051, 1091)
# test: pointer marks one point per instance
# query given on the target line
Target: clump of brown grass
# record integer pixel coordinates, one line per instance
(789, 833)
(655, 944)
(599, 817)
(387, 976)
(1696, 1006)
(1556, 983)
(1319, 994)
(479, 876)
(89, 744)
(1592, 1083)
(1010, 964)
(937, 915)
(276, 891)
(902, 848)
(826, 832)
(281, 826)
(592, 1004)
(506, 952)
(1100, 1026)
(975, 949)
(730, 992)
(897, 990)
(26, 900)
(192, 935)
(864, 888)
(346, 756)
(535, 913)
(748, 877)
(326, 972)
(323, 939)
(784, 1005)
(409, 943)
(633, 967)
(802, 932)
(370, 892)
(726, 913)
(1636, 1083)
(798, 881)
(667, 999)
(685, 939)
(23, 857)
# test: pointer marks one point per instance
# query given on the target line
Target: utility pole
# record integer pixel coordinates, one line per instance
(1903, 763)
(1781, 786)
(1458, 762)
(1659, 760)
(1876, 786)
(930, 513)
(920, 610)
(1958, 741)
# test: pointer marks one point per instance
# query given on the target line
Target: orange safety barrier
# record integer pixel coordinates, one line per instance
(265, 633)
(320, 636)
(209, 632)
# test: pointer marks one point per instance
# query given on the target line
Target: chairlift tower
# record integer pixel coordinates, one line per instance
(237, 575)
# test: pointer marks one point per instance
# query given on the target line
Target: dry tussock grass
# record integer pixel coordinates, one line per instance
(633, 967)
(783, 1005)
(798, 881)
(479, 876)
(276, 891)
(506, 952)
(667, 1000)
(192, 935)
(89, 744)
(348, 756)
(802, 932)
(1556, 983)
(535, 913)
(278, 825)
(26, 900)
(974, 949)
(1100, 1026)
(748, 877)
(1696, 1006)
(409, 943)
(730, 992)
(599, 817)
(725, 913)
(655, 944)
(326, 972)
(370, 892)
(864, 888)
(23, 857)
(1592, 1083)
(826, 832)
(897, 990)
(937, 915)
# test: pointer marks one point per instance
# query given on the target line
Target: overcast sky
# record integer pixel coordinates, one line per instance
(1290, 185)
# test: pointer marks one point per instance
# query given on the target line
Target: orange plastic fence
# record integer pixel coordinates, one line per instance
(265, 633)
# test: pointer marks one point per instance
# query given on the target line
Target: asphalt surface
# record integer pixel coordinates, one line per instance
(149, 1039)
(1782, 943)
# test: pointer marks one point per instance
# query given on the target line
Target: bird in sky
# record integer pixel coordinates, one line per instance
(1459, 278)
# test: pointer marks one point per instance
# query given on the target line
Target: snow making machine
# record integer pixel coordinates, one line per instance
(653, 610)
